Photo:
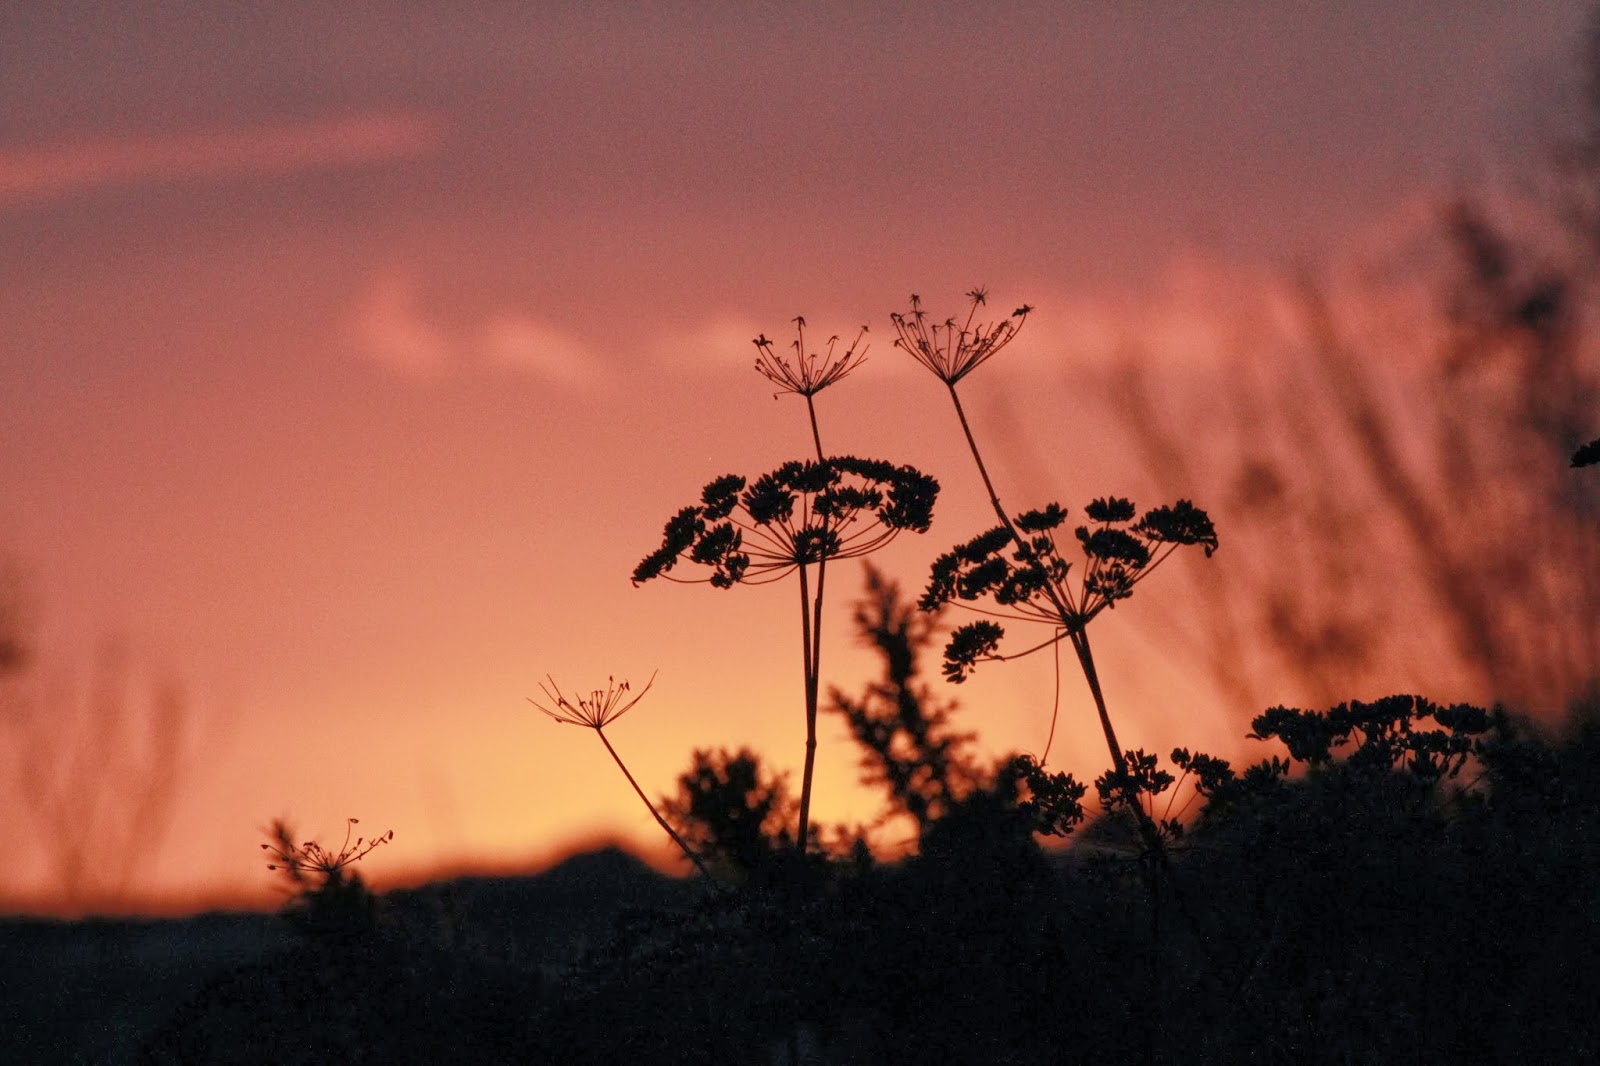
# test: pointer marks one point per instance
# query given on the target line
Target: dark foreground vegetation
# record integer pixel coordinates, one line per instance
(1373, 908)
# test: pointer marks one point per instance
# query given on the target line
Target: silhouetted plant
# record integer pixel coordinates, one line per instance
(94, 765)
(596, 711)
(801, 516)
(1381, 736)
(902, 728)
(1018, 563)
(1347, 449)
(734, 813)
(1588, 455)
(329, 898)
(812, 371)
(909, 749)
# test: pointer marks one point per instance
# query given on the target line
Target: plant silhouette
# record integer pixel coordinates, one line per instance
(736, 815)
(1018, 564)
(329, 899)
(596, 711)
(902, 728)
(797, 519)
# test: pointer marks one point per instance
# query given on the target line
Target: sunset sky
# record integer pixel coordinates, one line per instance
(350, 361)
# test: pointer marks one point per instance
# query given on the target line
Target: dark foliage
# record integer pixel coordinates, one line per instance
(735, 815)
(902, 728)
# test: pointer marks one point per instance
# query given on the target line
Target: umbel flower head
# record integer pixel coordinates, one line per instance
(803, 512)
(597, 710)
(1029, 581)
(953, 350)
(301, 861)
(811, 371)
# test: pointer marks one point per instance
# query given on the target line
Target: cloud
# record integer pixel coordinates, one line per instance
(68, 167)
(390, 326)
(720, 343)
(520, 343)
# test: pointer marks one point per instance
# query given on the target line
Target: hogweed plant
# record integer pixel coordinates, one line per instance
(329, 897)
(797, 519)
(812, 371)
(596, 711)
(1018, 566)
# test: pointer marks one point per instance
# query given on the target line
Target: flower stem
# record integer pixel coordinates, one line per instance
(810, 638)
(816, 436)
(1073, 622)
(662, 822)
(983, 471)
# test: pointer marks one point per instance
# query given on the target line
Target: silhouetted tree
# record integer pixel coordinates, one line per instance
(733, 813)
(901, 726)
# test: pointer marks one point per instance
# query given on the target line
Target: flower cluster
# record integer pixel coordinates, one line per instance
(952, 350)
(1051, 802)
(311, 859)
(1136, 785)
(1019, 566)
(813, 371)
(595, 711)
(803, 512)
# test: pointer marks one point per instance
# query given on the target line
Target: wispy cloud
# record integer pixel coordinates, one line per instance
(391, 325)
(520, 343)
(387, 326)
(719, 343)
(67, 167)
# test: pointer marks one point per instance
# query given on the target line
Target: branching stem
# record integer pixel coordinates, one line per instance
(1073, 622)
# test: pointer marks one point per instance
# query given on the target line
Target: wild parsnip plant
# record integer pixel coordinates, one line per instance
(329, 897)
(1018, 566)
(596, 711)
(811, 372)
(797, 519)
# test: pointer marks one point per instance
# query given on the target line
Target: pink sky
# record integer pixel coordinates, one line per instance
(349, 362)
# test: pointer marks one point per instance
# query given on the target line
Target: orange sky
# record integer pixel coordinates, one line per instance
(349, 363)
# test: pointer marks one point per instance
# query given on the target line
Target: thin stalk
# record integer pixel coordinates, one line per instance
(1068, 617)
(1055, 704)
(811, 638)
(808, 632)
(662, 822)
(816, 437)
(983, 471)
